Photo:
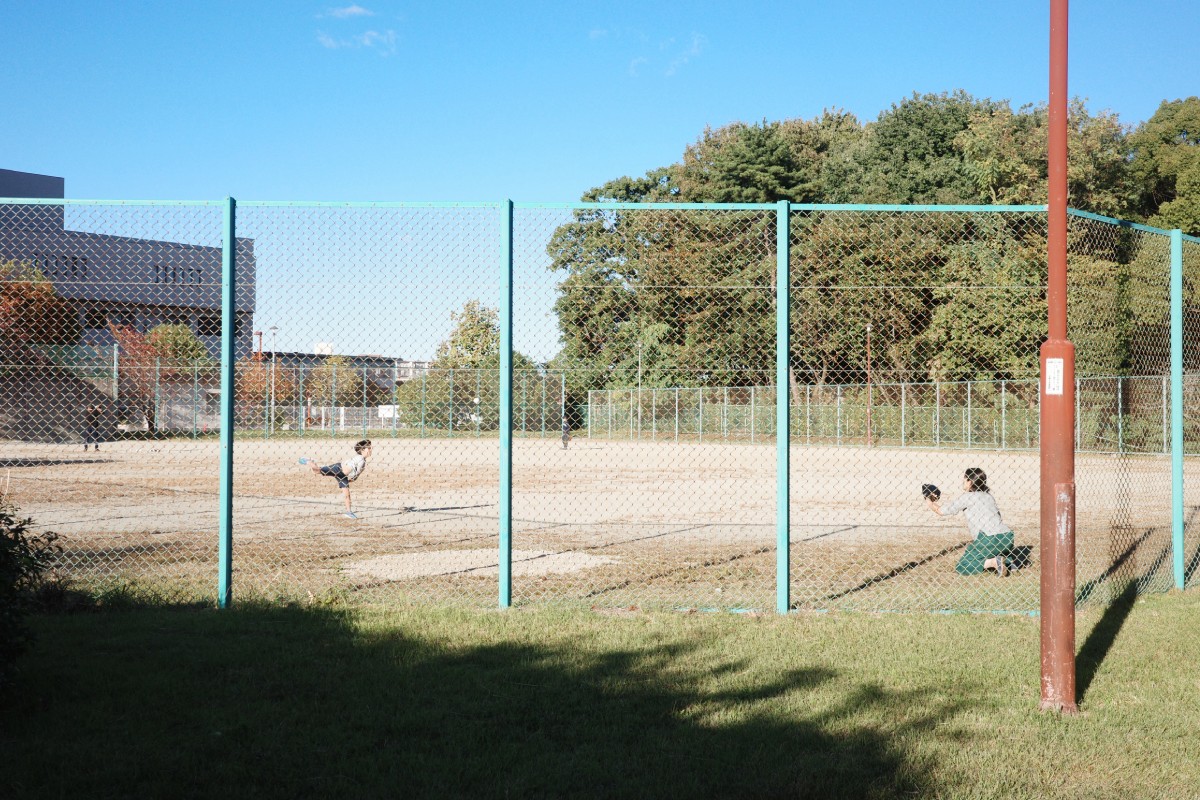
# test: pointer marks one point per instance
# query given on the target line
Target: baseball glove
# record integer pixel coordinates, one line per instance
(931, 492)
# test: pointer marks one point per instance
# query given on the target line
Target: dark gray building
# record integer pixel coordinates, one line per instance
(126, 280)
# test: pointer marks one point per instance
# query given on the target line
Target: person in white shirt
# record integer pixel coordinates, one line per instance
(346, 471)
(993, 539)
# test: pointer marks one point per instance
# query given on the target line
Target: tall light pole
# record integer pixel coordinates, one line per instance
(1057, 396)
(870, 396)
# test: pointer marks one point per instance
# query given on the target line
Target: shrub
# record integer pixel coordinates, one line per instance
(25, 559)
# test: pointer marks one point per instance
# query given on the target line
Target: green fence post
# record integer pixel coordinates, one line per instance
(1166, 435)
(783, 428)
(157, 397)
(423, 372)
(970, 421)
(808, 415)
(333, 404)
(364, 401)
(724, 412)
(544, 378)
(1004, 415)
(195, 394)
(506, 416)
(300, 400)
(937, 416)
(451, 415)
(266, 399)
(1120, 417)
(1177, 406)
(228, 355)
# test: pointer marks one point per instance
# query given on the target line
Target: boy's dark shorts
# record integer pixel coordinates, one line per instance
(335, 471)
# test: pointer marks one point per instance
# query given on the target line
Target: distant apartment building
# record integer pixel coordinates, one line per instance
(125, 280)
(384, 372)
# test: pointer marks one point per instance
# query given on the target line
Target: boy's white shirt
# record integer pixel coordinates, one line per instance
(352, 467)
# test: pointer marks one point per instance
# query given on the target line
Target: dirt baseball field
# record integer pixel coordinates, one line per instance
(604, 522)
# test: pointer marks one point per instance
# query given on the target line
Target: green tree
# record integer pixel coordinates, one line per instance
(1165, 166)
(1006, 157)
(909, 154)
(461, 388)
(177, 345)
(335, 383)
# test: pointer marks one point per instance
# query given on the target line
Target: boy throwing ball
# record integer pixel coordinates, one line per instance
(346, 471)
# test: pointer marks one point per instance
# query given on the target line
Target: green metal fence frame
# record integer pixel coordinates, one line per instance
(783, 211)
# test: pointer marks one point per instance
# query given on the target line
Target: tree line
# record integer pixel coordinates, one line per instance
(686, 298)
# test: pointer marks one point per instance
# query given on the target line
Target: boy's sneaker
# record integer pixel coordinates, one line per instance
(304, 460)
(1001, 566)
(351, 515)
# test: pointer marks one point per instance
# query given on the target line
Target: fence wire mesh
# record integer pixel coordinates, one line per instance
(100, 441)
(1191, 403)
(662, 311)
(643, 400)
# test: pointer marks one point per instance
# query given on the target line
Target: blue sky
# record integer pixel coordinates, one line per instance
(402, 100)
(476, 102)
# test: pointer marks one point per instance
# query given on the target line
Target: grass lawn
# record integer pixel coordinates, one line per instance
(292, 702)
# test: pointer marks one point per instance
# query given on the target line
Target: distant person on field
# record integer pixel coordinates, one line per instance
(993, 539)
(91, 426)
(346, 471)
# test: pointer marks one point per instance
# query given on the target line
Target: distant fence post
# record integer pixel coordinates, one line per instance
(1177, 407)
(195, 394)
(228, 354)
(333, 402)
(783, 428)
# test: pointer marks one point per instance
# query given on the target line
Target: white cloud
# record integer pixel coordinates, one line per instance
(348, 11)
(636, 64)
(694, 49)
(382, 42)
(385, 41)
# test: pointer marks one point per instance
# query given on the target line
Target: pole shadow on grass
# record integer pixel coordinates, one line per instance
(1102, 636)
(290, 702)
(1100, 639)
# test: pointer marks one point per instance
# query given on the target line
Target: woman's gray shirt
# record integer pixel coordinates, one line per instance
(982, 514)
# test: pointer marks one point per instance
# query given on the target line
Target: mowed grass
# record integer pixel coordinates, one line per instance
(276, 701)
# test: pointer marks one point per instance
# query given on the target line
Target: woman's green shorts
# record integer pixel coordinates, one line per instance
(980, 550)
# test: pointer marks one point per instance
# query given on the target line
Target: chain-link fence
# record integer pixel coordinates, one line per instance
(99, 440)
(643, 410)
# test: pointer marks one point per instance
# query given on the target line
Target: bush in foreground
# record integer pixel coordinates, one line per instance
(25, 562)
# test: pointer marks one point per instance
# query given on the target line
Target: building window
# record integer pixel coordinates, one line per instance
(94, 318)
(208, 325)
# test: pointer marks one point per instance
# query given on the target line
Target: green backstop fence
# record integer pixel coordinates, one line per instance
(580, 403)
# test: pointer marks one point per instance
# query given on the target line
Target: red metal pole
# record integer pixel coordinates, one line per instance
(1058, 409)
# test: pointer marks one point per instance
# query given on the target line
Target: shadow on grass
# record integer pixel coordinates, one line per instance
(1100, 639)
(893, 573)
(293, 702)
